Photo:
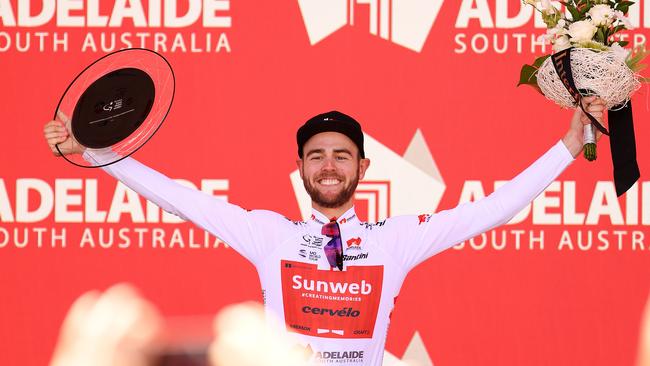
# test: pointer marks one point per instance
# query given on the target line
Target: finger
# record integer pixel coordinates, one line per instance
(53, 142)
(595, 108)
(588, 100)
(55, 134)
(55, 126)
(59, 129)
(77, 314)
(52, 124)
(122, 314)
(599, 100)
(62, 116)
(139, 319)
(56, 141)
(598, 114)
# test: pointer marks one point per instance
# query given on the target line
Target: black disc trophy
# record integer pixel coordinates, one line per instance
(116, 104)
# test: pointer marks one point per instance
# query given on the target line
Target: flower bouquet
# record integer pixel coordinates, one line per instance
(589, 60)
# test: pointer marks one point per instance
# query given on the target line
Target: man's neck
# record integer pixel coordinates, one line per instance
(334, 212)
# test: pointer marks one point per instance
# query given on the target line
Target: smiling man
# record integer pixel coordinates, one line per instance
(333, 279)
(331, 161)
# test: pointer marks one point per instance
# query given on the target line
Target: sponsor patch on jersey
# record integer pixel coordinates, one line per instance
(312, 255)
(355, 257)
(331, 304)
(297, 223)
(354, 243)
(424, 218)
(312, 241)
(371, 226)
(351, 356)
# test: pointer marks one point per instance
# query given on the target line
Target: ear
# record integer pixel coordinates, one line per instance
(363, 166)
(299, 163)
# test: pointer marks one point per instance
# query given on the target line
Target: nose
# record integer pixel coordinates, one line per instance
(328, 164)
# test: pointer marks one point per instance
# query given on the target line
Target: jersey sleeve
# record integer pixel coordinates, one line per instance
(412, 239)
(250, 233)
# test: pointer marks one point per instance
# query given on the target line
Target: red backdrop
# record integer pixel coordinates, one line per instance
(447, 68)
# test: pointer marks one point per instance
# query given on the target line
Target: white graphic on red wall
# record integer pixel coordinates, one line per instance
(331, 304)
(393, 185)
(404, 22)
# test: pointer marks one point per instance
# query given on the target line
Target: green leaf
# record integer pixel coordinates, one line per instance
(624, 6)
(540, 60)
(575, 14)
(623, 43)
(528, 76)
(633, 60)
(600, 35)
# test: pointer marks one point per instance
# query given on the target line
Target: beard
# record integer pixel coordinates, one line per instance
(339, 199)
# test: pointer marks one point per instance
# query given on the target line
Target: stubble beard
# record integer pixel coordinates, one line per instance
(337, 201)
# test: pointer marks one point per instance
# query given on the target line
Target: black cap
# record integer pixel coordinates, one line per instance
(333, 121)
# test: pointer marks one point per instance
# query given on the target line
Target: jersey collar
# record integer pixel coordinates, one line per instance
(347, 217)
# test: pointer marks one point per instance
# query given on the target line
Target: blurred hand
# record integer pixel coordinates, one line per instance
(57, 132)
(113, 328)
(574, 137)
(246, 337)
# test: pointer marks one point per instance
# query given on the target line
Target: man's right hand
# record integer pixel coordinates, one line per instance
(56, 132)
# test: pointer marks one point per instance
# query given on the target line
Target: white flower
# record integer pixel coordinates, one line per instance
(601, 15)
(547, 7)
(582, 30)
(558, 29)
(561, 43)
(619, 51)
(620, 16)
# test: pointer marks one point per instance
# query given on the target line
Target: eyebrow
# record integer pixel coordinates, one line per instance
(322, 151)
(343, 151)
(315, 151)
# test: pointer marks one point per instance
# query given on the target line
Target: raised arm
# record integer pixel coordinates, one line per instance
(243, 230)
(416, 238)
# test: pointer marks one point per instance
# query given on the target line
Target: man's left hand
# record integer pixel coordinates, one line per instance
(574, 137)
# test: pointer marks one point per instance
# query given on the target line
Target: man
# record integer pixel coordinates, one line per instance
(334, 279)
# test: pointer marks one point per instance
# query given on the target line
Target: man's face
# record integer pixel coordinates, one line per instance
(331, 169)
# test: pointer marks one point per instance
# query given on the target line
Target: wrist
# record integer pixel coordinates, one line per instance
(573, 142)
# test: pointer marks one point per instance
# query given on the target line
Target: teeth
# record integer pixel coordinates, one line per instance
(328, 182)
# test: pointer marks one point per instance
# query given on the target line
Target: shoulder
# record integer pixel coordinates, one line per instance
(396, 222)
(273, 218)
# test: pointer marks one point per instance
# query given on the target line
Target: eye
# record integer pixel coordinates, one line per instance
(342, 158)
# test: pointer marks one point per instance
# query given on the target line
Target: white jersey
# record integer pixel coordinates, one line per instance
(342, 315)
